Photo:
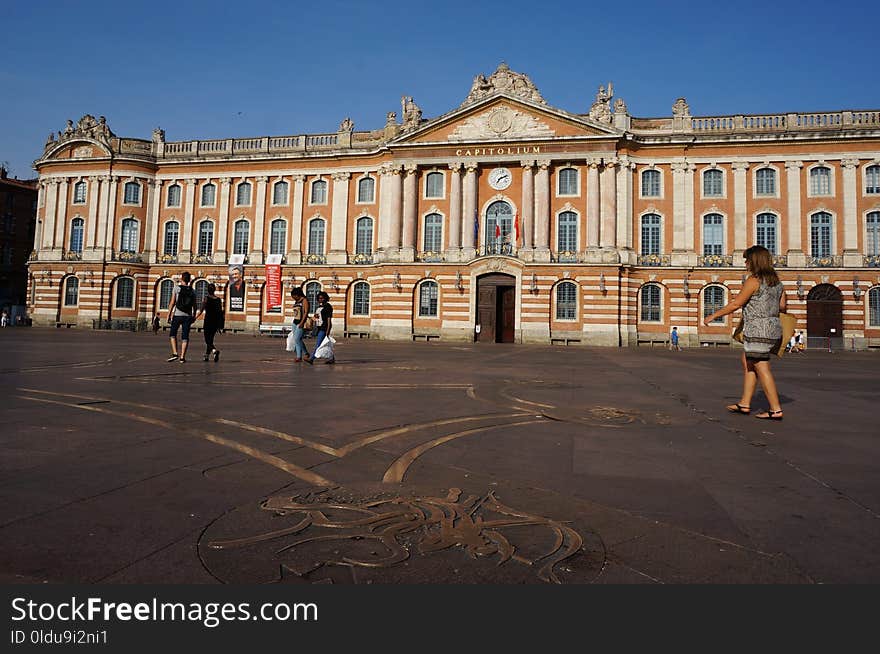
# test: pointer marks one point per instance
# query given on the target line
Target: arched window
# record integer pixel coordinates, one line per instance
(71, 292)
(319, 192)
(872, 242)
(364, 236)
(129, 242)
(79, 193)
(650, 234)
(125, 293)
(366, 189)
(311, 291)
(279, 193)
(172, 234)
(566, 301)
(765, 231)
(316, 236)
(174, 195)
(240, 237)
(433, 232)
(499, 224)
(428, 300)
(209, 194)
(132, 193)
(166, 290)
(201, 290)
(243, 194)
(277, 236)
(820, 234)
(765, 181)
(76, 235)
(650, 183)
(434, 185)
(713, 234)
(874, 307)
(713, 183)
(568, 181)
(650, 303)
(872, 180)
(361, 304)
(820, 181)
(206, 238)
(713, 300)
(567, 235)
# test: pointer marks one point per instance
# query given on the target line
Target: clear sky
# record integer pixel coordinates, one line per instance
(242, 69)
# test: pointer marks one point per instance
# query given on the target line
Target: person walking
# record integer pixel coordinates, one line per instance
(212, 308)
(180, 315)
(300, 312)
(324, 322)
(761, 299)
(673, 340)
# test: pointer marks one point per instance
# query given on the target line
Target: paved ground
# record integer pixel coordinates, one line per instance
(429, 463)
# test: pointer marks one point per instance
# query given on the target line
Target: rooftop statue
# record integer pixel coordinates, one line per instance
(503, 80)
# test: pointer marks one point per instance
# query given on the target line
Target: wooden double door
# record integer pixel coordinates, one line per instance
(496, 308)
(825, 311)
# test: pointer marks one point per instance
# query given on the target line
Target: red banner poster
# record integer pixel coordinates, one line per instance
(273, 286)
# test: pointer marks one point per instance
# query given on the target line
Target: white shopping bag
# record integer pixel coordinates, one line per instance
(290, 346)
(325, 349)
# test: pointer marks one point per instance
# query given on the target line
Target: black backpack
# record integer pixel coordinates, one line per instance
(186, 298)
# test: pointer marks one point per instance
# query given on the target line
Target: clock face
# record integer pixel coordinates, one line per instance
(500, 179)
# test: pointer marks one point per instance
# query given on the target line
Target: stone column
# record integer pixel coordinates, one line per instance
(151, 227)
(186, 247)
(396, 211)
(89, 244)
(294, 256)
(384, 227)
(679, 204)
(38, 228)
(453, 251)
(542, 212)
(339, 219)
(608, 208)
(101, 240)
(625, 211)
(469, 213)
(112, 201)
(528, 208)
(220, 251)
(410, 211)
(850, 224)
(740, 222)
(61, 216)
(593, 204)
(689, 241)
(795, 254)
(49, 216)
(259, 238)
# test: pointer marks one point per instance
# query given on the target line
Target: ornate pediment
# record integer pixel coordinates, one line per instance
(503, 80)
(501, 122)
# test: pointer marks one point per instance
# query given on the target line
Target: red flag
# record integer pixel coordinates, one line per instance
(516, 228)
(497, 230)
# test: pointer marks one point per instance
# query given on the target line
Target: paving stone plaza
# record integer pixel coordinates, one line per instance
(429, 463)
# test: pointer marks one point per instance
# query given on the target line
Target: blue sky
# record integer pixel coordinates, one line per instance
(223, 70)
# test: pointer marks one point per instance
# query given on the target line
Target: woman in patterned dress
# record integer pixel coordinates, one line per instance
(761, 299)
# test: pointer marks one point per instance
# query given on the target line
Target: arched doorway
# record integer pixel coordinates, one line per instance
(499, 228)
(496, 308)
(825, 312)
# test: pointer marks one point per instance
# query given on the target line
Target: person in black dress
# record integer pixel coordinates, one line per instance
(212, 308)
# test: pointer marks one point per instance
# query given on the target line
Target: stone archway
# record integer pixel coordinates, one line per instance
(496, 308)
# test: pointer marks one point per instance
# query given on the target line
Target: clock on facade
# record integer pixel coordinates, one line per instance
(500, 179)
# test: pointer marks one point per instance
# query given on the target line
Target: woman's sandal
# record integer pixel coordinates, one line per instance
(739, 408)
(770, 415)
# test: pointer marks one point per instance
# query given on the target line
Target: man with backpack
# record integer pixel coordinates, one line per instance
(180, 315)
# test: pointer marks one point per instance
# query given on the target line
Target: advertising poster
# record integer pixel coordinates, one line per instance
(236, 287)
(273, 281)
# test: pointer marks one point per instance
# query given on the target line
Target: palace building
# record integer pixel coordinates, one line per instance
(502, 220)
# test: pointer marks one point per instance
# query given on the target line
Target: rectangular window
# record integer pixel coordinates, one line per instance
(820, 235)
(820, 181)
(434, 185)
(765, 182)
(568, 181)
(713, 234)
(765, 232)
(712, 183)
(872, 180)
(651, 183)
(428, 300)
(650, 235)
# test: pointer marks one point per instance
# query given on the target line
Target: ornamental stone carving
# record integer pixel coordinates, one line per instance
(681, 109)
(503, 122)
(347, 125)
(503, 80)
(86, 127)
(601, 109)
(158, 135)
(412, 113)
